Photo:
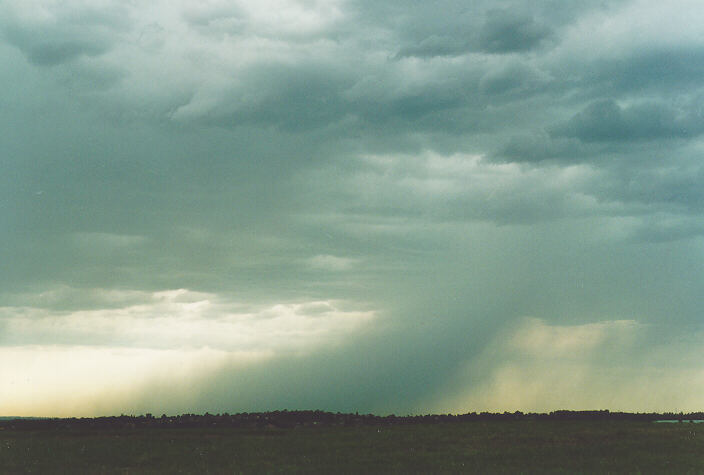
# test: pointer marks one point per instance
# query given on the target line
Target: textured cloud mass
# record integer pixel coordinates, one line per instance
(350, 205)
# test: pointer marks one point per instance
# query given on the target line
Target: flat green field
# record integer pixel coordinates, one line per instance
(479, 447)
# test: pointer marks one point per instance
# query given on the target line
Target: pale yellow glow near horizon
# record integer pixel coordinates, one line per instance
(538, 367)
(56, 381)
(164, 341)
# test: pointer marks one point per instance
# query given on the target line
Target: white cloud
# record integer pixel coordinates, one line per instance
(185, 319)
(88, 362)
(635, 26)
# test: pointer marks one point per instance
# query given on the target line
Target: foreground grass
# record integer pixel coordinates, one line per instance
(481, 447)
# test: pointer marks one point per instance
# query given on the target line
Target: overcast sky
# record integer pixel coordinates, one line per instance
(351, 205)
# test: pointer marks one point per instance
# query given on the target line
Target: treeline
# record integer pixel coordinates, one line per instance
(291, 419)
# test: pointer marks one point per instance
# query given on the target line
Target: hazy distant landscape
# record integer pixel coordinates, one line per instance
(320, 442)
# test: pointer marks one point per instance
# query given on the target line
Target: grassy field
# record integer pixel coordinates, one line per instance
(481, 447)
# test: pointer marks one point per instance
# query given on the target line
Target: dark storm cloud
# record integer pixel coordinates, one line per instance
(661, 186)
(438, 45)
(666, 71)
(666, 229)
(451, 28)
(605, 120)
(505, 31)
(540, 146)
(395, 186)
(466, 105)
(293, 98)
(512, 78)
(502, 32)
(57, 51)
(54, 35)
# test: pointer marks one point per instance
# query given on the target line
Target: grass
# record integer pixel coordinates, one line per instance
(479, 447)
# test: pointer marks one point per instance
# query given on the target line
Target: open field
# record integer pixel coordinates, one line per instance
(476, 446)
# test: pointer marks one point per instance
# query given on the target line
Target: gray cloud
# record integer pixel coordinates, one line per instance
(55, 35)
(605, 120)
(512, 78)
(659, 69)
(540, 146)
(216, 18)
(438, 45)
(451, 29)
(457, 170)
(295, 98)
(505, 31)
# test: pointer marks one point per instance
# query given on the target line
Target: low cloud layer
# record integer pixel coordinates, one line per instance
(403, 206)
(183, 319)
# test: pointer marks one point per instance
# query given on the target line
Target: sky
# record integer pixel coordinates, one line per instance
(349, 205)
